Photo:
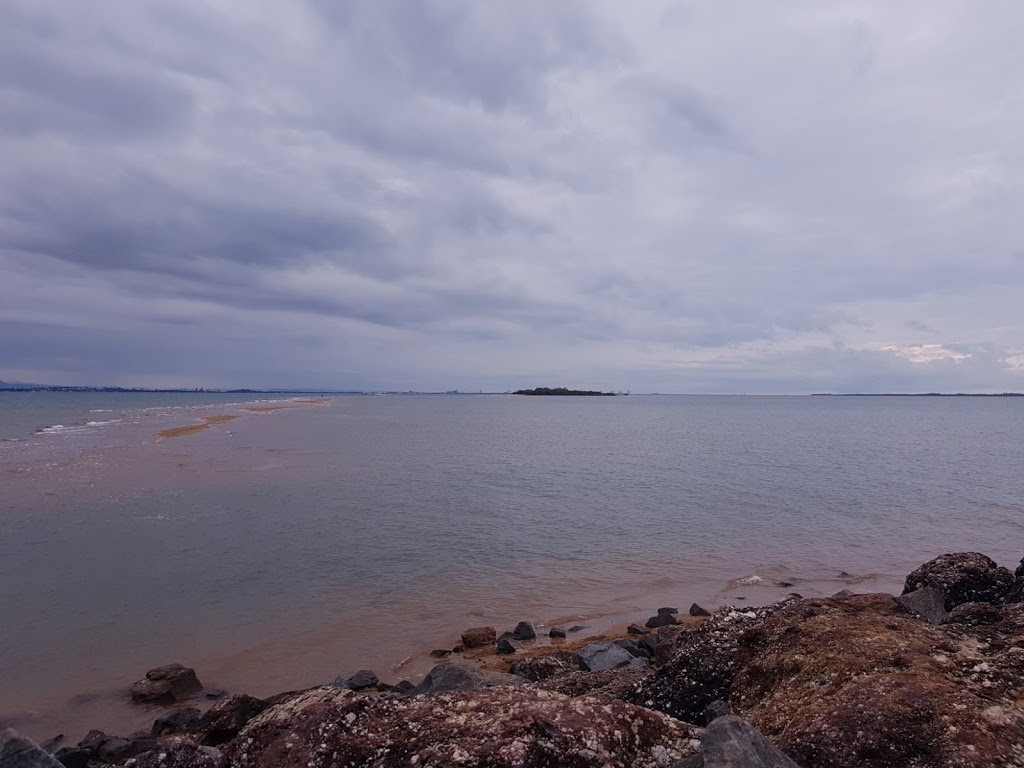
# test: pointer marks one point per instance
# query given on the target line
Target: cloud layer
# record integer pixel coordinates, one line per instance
(676, 197)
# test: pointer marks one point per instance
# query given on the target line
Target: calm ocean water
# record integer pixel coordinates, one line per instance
(288, 546)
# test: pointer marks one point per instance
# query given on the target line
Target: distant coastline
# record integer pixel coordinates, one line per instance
(917, 394)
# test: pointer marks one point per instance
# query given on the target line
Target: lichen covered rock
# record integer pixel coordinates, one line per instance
(963, 577)
(494, 728)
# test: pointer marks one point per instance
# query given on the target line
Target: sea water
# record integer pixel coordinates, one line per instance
(303, 540)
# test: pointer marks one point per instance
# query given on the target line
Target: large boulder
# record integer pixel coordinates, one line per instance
(166, 685)
(178, 754)
(463, 676)
(963, 577)
(493, 728)
(18, 752)
(601, 686)
(859, 682)
(293, 704)
(702, 668)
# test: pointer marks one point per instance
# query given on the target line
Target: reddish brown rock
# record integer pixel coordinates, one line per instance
(166, 685)
(535, 668)
(479, 637)
(493, 728)
(963, 577)
(859, 682)
(178, 754)
(604, 686)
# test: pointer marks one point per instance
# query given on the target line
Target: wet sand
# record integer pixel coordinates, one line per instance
(208, 421)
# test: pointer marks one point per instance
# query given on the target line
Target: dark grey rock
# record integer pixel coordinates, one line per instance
(339, 682)
(964, 577)
(506, 645)
(18, 752)
(524, 631)
(175, 720)
(214, 693)
(696, 610)
(633, 648)
(844, 593)
(715, 710)
(73, 757)
(661, 620)
(784, 584)
(1019, 571)
(459, 649)
(463, 676)
(166, 685)
(649, 642)
(556, 632)
(974, 614)
(927, 601)
(440, 653)
(636, 629)
(732, 742)
(663, 611)
(507, 636)
(117, 749)
(576, 628)
(225, 719)
(845, 575)
(92, 740)
(403, 686)
(696, 761)
(598, 657)
(364, 678)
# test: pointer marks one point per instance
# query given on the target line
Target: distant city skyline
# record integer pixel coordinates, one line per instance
(674, 197)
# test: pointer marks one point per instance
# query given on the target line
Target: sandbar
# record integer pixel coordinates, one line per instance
(193, 428)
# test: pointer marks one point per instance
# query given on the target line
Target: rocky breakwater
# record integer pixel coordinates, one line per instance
(933, 678)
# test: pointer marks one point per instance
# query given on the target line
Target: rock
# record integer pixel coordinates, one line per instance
(649, 642)
(364, 678)
(18, 752)
(661, 620)
(179, 755)
(926, 601)
(524, 631)
(715, 710)
(844, 593)
(973, 614)
(506, 645)
(664, 611)
(702, 668)
(440, 653)
(845, 575)
(538, 668)
(732, 742)
(293, 704)
(404, 686)
(462, 676)
(459, 649)
(696, 610)
(556, 632)
(117, 749)
(92, 740)
(73, 757)
(598, 657)
(575, 628)
(858, 682)
(339, 682)
(214, 693)
(963, 577)
(226, 719)
(1019, 571)
(166, 685)
(612, 684)
(478, 637)
(535, 728)
(636, 629)
(51, 745)
(633, 648)
(175, 720)
(784, 584)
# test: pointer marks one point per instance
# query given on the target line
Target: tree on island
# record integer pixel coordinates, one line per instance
(562, 391)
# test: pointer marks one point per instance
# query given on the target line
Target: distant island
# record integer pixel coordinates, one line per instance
(563, 392)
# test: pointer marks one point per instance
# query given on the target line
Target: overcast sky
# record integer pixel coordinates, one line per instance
(675, 197)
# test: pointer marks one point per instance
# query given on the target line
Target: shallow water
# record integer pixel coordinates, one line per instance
(289, 546)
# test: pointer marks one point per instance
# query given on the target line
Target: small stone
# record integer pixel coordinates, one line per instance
(636, 629)
(459, 649)
(403, 686)
(524, 631)
(440, 653)
(166, 685)
(478, 637)
(696, 610)
(364, 678)
(663, 611)
(784, 584)
(214, 693)
(576, 628)
(661, 620)
(844, 593)
(556, 632)
(506, 645)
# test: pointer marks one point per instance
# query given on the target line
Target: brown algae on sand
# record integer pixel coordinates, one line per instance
(192, 429)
